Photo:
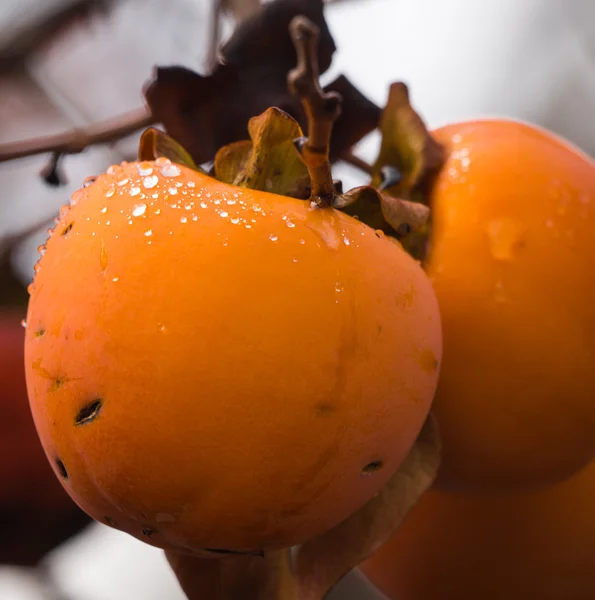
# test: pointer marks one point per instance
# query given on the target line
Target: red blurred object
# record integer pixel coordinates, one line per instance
(36, 514)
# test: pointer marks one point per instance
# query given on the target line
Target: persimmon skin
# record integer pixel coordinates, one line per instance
(537, 545)
(511, 255)
(250, 356)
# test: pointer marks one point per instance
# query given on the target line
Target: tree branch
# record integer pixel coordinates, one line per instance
(75, 141)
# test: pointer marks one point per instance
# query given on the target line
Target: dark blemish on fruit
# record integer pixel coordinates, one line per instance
(61, 469)
(109, 521)
(89, 413)
(372, 467)
(428, 361)
(39, 333)
(235, 552)
(379, 328)
(67, 228)
(324, 409)
(147, 531)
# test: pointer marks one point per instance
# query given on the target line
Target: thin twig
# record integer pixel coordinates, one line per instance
(75, 141)
(322, 109)
(358, 162)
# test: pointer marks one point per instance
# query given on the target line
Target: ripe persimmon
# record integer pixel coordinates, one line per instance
(537, 545)
(510, 254)
(217, 368)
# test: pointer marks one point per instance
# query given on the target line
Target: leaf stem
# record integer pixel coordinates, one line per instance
(322, 109)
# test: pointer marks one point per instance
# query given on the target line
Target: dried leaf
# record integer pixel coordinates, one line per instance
(323, 561)
(235, 578)
(154, 144)
(204, 113)
(271, 161)
(406, 145)
(381, 211)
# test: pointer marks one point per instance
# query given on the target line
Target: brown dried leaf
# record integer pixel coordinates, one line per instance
(381, 211)
(154, 144)
(406, 145)
(323, 561)
(206, 113)
(271, 161)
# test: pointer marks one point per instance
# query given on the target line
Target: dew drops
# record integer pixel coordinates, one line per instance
(24, 324)
(89, 180)
(290, 224)
(505, 237)
(115, 279)
(338, 287)
(155, 196)
(76, 197)
(134, 191)
(110, 193)
(162, 161)
(231, 202)
(217, 201)
(148, 232)
(123, 182)
(183, 220)
(111, 170)
(130, 222)
(235, 220)
(273, 237)
(379, 233)
(223, 214)
(157, 211)
(139, 210)
(173, 191)
(195, 218)
(145, 169)
(188, 206)
(302, 241)
(346, 240)
(103, 210)
(191, 184)
(170, 170)
(150, 182)
(203, 204)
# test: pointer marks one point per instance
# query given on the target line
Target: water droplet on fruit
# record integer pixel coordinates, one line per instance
(302, 241)
(339, 287)
(290, 224)
(110, 193)
(188, 206)
(145, 169)
(134, 191)
(173, 191)
(162, 161)
(76, 197)
(170, 170)
(183, 220)
(148, 232)
(223, 214)
(30, 289)
(115, 279)
(216, 202)
(111, 170)
(499, 292)
(89, 180)
(235, 220)
(195, 218)
(379, 233)
(273, 237)
(157, 211)
(203, 204)
(346, 240)
(122, 182)
(103, 257)
(24, 324)
(103, 210)
(231, 202)
(506, 238)
(139, 210)
(191, 184)
(41, 249)
(150, 182)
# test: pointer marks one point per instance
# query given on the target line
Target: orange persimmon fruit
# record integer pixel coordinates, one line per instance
(510, 257)
(537, 545)
(212, 367)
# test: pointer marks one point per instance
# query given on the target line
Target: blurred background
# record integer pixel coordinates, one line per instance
(71, 63)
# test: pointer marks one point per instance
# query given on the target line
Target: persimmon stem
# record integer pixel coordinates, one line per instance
(322, 110)
(75, 141)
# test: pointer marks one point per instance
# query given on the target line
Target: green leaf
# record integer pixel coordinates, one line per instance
(323, 561)
(406, 145)
(381, 211)
(270, 162)
(154, 144)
